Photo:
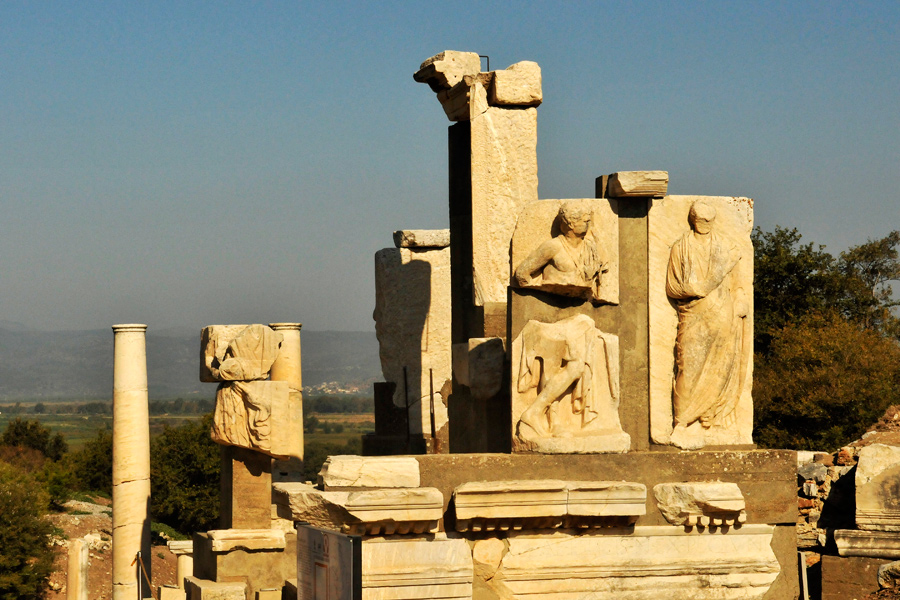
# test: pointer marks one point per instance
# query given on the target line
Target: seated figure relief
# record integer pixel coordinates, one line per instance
(566, 385)
(712, 345)
(569, 264)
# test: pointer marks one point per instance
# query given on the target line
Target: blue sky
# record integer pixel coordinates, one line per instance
(186, 163)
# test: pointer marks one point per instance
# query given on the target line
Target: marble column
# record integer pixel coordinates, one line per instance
(77, 576)
(131, 461)
(287, 367)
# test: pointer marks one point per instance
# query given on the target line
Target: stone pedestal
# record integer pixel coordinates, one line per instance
(77, 575)
(246, 489)
(184, 555)
(131, 461)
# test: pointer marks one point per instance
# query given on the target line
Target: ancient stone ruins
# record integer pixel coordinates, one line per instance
(567, 408)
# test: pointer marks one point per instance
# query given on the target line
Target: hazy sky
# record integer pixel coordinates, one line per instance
(189, 163)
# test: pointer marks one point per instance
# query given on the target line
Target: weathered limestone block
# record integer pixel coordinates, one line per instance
(517, 85)
(638, 184)
(705, 503)
(490, 505)
(369, 471)
(371, 512)
(395, 569)
(228, 540)
(422, 238)
(478, 364)
(444, 70)
(237, 352)
(259, 415)
(878, 544)
(203, 589)
(813, 472)
(504, 179)
(878, 488)
(706, 400)
(412, 322)
(568, 247)
(565, 389)
(648, 563)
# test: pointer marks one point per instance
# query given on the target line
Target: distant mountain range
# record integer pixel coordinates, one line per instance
(79, 364)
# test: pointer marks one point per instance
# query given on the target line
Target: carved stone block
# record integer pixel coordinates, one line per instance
(228, 540)
(877, 482)
(606, 499)
(643, 563)
(370, 512)
(396, 568)
(547, 503)
(529, 504)
(445, 69)
(517, 85)
(877, 544)
(701, 320)
(237, 352)
(422, 238)
(565, 389)
(708, 503)
(369, 471)
(568, 247)
(259, 415)
(637, 184)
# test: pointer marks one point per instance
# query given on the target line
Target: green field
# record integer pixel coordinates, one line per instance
(77, 429)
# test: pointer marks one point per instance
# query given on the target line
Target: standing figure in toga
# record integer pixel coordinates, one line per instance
(709, 345)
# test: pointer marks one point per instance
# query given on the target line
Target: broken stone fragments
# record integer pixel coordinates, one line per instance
(708, 503)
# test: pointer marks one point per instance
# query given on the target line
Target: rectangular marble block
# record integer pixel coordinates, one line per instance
(606, 499)
(510, 499)
(409, 569)
(637, 184)
(369, 472)
(252, 569)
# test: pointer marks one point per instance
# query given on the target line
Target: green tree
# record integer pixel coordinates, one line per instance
(826, 340)
(184, 475)
(26, 557)
(32, 434)
(92, 465)
(824, 383)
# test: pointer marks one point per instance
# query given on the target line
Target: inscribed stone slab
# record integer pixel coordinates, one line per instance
(733, 423)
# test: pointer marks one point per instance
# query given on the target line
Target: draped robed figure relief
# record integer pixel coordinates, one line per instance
(711, 343)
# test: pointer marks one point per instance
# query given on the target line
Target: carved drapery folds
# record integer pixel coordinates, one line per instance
(251, 412)
(701, 327)
(566, 388)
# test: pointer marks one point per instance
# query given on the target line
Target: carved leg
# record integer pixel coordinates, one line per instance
(535, 416)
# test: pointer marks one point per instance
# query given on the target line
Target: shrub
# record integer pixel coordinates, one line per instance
(26, 558)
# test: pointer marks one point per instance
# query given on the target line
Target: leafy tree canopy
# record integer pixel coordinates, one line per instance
(827, 359)
(31, 434)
